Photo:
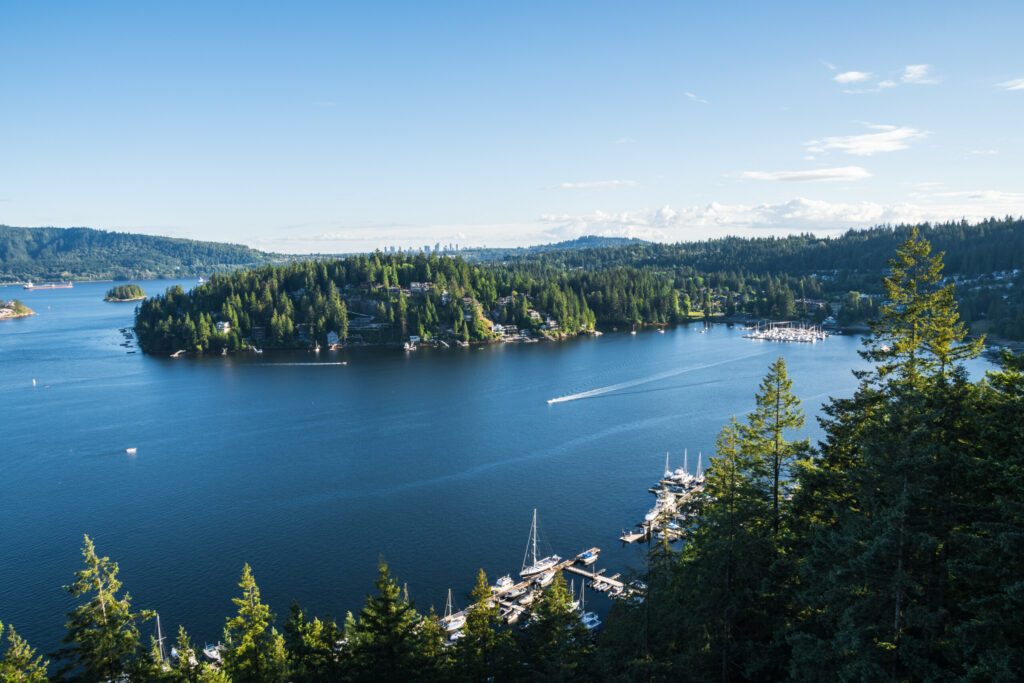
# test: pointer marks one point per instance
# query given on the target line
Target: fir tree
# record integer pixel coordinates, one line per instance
(878, 576)
(386, 638)
(102, 640)
(312, 646)
(556, 643)
(186, 669)
(777, 411)
(484, 648)
(19, 662)
(253, 649)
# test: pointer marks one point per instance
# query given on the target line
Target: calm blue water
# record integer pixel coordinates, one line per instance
(309, 471)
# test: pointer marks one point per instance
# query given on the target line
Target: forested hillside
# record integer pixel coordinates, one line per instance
(890, 551)
(393, 296)
(83, 253)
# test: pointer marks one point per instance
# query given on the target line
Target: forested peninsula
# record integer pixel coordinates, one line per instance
(889, 551)
(433, 296)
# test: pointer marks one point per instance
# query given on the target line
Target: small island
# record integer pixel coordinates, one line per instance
(9, 310)
(125, 293)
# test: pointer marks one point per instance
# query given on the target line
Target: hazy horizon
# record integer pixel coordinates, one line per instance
(319, 128)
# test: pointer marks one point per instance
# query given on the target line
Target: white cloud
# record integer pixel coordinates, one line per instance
(887, 139)
(887, 84)
(828, 65)
(625, 141)
(693, 98)
(1015, 84)
(796, 215)
(818, 174)
(852, 77)
(917, 73)
(596, 185)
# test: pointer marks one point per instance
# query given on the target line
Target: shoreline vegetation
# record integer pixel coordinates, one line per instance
(890, 550)
(432, 297)
(125, 293)
(13, 309)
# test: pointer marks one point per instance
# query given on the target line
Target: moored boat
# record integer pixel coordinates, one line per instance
(533, 565)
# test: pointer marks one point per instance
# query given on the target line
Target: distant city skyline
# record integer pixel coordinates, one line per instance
(328, 127)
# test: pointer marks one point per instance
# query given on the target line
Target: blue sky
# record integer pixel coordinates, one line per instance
(336, 127)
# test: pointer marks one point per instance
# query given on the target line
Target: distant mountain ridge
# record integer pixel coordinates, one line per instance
(86, 253)
(89, 254)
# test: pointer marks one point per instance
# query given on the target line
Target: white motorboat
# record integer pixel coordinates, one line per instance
(591, 621)
(544, 580)
(503, 584)
(212, 652)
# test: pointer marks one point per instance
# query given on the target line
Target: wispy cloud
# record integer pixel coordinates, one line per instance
(814, 175)
(795, 215)
(596, 185)
(887, 139)
(828, 65)
(624, 141)
(983, 152)
(1015, 84)
(852, 77)
(917, 74)
(693, 98)
(887, 84)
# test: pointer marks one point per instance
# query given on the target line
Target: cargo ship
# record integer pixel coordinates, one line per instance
(58, 285)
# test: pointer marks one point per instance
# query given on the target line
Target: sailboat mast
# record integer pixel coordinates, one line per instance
(686, 460)
(160, 637)
(533, 532)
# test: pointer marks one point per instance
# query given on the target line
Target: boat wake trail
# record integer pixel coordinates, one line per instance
(600, 391)
(343, 362)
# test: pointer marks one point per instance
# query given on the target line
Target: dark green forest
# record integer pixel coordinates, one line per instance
(87, 254)
(130, 292)
(893, 550)
(386, 298)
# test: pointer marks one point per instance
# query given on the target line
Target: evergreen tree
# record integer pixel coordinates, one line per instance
(19, 662)
(879, 575)
(556, 643)
(386, 638)
(186, 669)
(312, 646)
(102, 640)
(723, 565)
(777, 411)
(484, 649)
(253, 649)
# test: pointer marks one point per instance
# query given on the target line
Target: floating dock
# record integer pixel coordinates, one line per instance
(788, 332)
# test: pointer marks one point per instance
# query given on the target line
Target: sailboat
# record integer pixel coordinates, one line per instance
(453, 621)
(532, 565)
(589, 619)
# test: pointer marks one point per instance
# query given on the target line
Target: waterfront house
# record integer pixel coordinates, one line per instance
(223, 327)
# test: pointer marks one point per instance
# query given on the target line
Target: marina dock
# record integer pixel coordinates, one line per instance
(788, 332)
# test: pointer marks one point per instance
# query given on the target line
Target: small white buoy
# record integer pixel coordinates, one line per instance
(33, 381)
(131, 451)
